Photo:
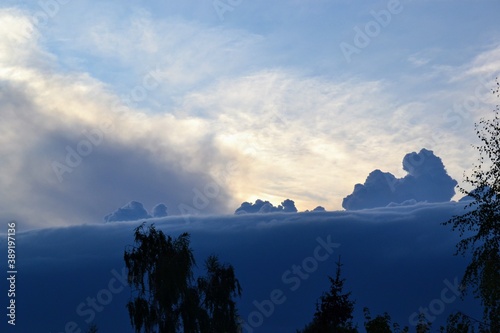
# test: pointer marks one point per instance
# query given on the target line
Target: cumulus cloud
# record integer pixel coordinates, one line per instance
(427, 180)
(260, 206)
(132, 211)
(318, 209)
(160, 210)
(288, 206)
(479, 194)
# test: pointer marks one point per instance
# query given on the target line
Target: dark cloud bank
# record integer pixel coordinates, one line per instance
(427, 180)
(395, 259)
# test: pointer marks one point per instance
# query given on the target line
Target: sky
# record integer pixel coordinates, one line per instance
(104, 103)
(180, 112)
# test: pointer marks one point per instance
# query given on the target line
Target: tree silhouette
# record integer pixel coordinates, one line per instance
(92, 329)
(381, 323)
(423, 326)
(459, 323)
(166, 298)
(334, 309)
(480, 226)
(217, 290)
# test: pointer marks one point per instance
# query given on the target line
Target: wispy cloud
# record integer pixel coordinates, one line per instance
(177, 101)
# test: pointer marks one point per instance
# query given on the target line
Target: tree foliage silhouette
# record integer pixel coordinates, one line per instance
(381, 323)
(423, 326)
(479, 227)
(217, 290)
(334, 309)
(461, 323)
(160, 271)
(92, 329)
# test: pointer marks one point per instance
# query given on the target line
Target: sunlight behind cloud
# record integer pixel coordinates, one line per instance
(195, 100)
(295, 130)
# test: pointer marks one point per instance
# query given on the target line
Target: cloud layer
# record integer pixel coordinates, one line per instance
(427, 180)
(395, 259)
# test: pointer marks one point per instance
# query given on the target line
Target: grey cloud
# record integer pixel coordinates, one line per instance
(112, 173)
(132, 211)
(160, 210)
(427, 180)
(116, 173)
(262, 207)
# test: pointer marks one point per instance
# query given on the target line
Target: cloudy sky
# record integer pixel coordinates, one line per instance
(169, 101)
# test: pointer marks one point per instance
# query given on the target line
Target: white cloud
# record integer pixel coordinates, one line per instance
(19, 39)
(282, 118)
(45, 113)
(427, 180)
(217, 104)
(185, 53)
(486, 63)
